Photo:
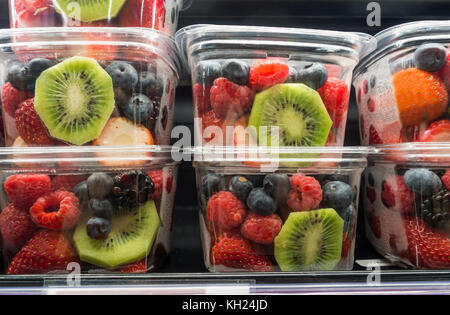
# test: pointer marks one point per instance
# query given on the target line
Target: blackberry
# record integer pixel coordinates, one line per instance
(435, 210)
(151, 122)
(132, 189)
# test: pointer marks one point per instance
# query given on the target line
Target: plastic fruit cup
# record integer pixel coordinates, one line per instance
(270, 86)
(402, 88)
(87, 86)
(407, 204)
(62, 208)
(278, 209)
(155, 14)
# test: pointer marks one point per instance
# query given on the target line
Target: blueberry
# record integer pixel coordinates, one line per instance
(349, 217)
(150, 84)
(430, 57)
(278, 186)
(314, 75)
(138, 109)
(260, 202)
(81, 191)
(123, 75)
(20, 77)
(207, 71)
(98, 228)
(101, 208)
(38, 65)
(241, 187)
(422, 181)
(337, 195)
(210, 185)
(236, 71)
(99, 185)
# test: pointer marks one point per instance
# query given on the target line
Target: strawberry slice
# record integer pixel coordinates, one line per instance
(143, 13)
(438, 131)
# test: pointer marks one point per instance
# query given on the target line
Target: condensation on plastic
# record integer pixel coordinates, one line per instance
(51, 15)
(84, 161)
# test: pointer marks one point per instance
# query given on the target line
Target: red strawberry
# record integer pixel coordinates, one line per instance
(56, 211)
(16, 226)
(46, 251)
(235, 252)
(201, 96)
(374, 223)
(29, 126)
(12, 97)
(446, 179)
(143, 13)
(426, 248)
(66, 182)
(335, 95)
(396, 195)
(24, 190)
(139, 267)
(267, 73)
(438, 131)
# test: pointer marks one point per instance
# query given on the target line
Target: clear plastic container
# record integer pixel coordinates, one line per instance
(248, 78)
(68, 210)
(407, 204)
(402, 87)
(154, 14)
(87, 86)
(283, 209)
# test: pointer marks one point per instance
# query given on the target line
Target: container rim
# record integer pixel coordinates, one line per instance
(138, 36)
(284, 157)
(412, 152)
(88, 154)
(361, 43)
(404, 35)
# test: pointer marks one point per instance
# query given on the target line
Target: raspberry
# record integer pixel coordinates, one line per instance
(29, 126)
(335, 95)
(56, 211)
(12, 97)
(267, 73)
(16, 226)
(157, 178)
(228, 98)
(446, 179)
(235, 252)
(305, 194)
(396, 195)
(202, 97)
(225, 210)
(374, 223)
(66, 182)
(46, 251)
(426, 249)
(24, 190)
(261, 229)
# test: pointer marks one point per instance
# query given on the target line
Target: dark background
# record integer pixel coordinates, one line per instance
(344, 15)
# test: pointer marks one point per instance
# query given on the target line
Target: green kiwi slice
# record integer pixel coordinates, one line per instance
(131, 238)
(74, 99)
(89, 10)
(297, 110)
(310, 241)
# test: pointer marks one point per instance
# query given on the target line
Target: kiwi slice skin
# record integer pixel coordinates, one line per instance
(89, 10)
(310, 241)
(75, 99)
(297, 110)
(131, 239)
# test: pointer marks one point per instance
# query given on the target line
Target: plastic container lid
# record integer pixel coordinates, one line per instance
(406, 35)
(133, 39)
(77, 158)
(278, 42)
(314, 158)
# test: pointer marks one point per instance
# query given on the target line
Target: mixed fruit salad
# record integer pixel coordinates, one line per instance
(116, 222)
(408, 214)
(269, 102)
(155, 14)
(278, 221)
(413, 105)
(82, 101)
